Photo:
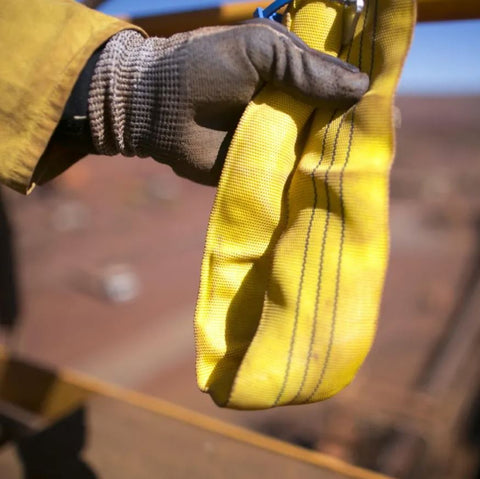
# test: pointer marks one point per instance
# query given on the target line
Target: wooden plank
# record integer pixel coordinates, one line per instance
(166, 443)
(150, 445)
(56, 394)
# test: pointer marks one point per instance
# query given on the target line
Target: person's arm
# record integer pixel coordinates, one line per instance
(45, 44)
(175, 99)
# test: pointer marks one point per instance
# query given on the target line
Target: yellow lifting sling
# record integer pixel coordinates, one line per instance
(297, 244)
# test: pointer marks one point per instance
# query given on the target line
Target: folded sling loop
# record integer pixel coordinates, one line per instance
(297, 244)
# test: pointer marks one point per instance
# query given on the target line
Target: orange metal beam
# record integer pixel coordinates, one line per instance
(164, 25)
(436, 10)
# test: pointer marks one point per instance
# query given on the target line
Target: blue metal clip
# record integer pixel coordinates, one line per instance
(355, 8)
(271, 11)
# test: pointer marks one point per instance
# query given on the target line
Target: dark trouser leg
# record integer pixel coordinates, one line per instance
(8, 288)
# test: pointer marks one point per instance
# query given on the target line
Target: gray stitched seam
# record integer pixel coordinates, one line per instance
(292, 341)
(305, 253)
(314, 208)
(339, 263)
(322, 253)
(302, 274)
(337, 282)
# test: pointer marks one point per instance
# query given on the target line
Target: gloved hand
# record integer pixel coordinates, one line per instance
(179, 99)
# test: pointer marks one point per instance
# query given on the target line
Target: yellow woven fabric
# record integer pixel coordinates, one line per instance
(297, 244)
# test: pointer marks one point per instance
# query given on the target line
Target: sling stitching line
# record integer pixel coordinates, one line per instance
(314, 208)
(339, 263)
(305, 254)
(342, 210)
(292, 340)
(374, 36)
(302, 274)
(322, 258)
(324, 236)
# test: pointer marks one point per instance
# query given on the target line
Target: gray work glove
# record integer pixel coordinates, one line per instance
(179, 99)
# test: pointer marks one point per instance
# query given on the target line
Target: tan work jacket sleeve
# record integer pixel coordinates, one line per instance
(44, 46)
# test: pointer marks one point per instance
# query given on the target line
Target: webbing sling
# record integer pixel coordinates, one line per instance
(297, 244)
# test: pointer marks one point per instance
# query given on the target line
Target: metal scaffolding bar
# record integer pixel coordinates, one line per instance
(228, 13)
(439, 10)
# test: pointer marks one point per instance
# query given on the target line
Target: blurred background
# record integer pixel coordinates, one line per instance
(107, 260)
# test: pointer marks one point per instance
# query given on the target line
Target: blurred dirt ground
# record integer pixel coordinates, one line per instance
(109, 258)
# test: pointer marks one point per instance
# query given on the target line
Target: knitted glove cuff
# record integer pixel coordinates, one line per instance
(135, 95)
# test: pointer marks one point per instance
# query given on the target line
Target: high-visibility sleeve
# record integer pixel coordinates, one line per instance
(44, 46)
